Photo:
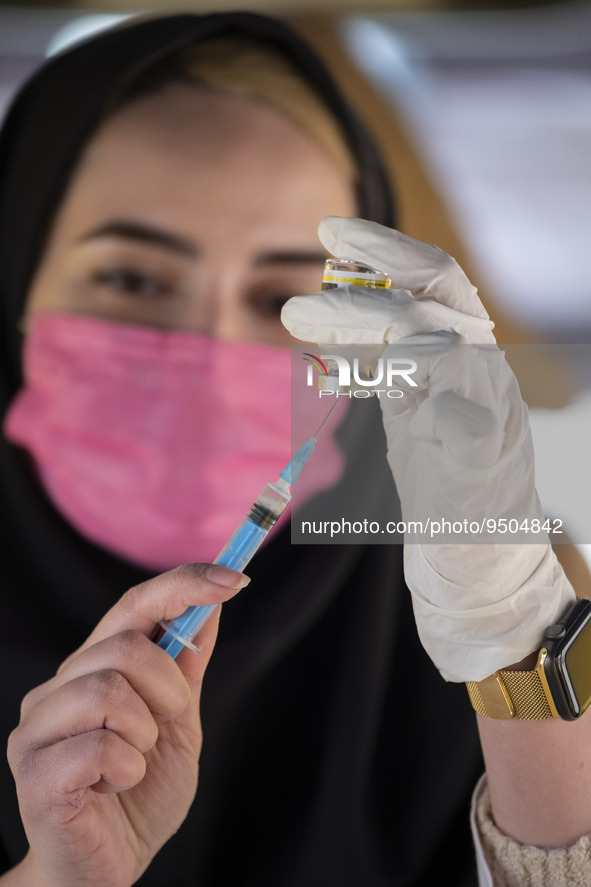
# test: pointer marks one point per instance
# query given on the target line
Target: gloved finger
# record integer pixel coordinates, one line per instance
(444, 361)
(422, 268)
(406, 369)
(350, 315)
(428, 364)
(469, 433)
(469, 391)
(427, 356)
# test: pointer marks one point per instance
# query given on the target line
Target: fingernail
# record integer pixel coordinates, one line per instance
(227, 577)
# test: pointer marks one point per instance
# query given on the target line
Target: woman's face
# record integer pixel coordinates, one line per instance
(192, 211)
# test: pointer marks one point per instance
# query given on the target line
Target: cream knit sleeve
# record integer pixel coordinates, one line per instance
(513, 864)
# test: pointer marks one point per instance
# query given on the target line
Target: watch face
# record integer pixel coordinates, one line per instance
(572, 657)
(577, 659)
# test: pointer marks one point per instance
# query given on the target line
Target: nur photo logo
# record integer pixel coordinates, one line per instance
(355, 377)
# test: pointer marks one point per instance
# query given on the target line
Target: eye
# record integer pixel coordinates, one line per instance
(131, 281)
(271, 307)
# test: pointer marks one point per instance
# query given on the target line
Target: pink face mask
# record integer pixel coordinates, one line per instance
(154, 443)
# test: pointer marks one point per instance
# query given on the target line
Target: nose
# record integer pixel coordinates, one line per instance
(219, 307)
(230, 316)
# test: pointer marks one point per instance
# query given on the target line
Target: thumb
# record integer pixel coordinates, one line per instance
(165, 597)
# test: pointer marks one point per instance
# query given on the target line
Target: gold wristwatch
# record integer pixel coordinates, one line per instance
(558, 687)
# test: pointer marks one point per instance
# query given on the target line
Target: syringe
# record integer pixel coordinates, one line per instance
(244, 542)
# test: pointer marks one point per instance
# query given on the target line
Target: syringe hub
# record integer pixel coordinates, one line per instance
(292, 470)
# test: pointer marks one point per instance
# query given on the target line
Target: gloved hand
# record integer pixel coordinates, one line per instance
(459, 447)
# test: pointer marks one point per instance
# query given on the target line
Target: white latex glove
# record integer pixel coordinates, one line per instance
(459, 447)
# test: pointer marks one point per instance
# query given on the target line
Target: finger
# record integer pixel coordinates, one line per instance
(101, 700)
(470, 433)
(441, 362)
(62, 774)
(422, 268)
(166, 597)
(350, 315)
(444, 365)
(148, 670)
(418, 362)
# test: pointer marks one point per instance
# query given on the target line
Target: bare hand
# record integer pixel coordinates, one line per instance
(105, 757)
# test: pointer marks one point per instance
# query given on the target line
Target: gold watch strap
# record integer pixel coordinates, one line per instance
(518, 695)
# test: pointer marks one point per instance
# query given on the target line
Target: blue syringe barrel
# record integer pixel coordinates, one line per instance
(236, 553)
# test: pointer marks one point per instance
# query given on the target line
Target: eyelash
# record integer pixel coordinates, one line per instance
(131, 282)
(139, 284)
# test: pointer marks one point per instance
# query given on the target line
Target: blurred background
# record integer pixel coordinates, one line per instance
(494, 98)
(483, 111)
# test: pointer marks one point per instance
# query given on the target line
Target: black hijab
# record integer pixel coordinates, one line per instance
(334, 755)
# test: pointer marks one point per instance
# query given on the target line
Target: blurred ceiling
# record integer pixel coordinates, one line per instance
(282, 6)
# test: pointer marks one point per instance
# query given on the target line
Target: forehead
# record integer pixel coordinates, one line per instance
(194, 157)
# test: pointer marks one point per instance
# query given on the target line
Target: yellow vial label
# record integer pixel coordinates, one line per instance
(340, 272)
(329, 282)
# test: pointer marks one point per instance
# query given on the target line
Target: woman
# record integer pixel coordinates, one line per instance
(124, 254)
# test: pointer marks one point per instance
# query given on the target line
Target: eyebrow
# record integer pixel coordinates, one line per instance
(140, 232)
(291, 257)
(128, 229)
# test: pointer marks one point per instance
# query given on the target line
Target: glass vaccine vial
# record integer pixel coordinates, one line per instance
(343, 272)
(346, 272)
